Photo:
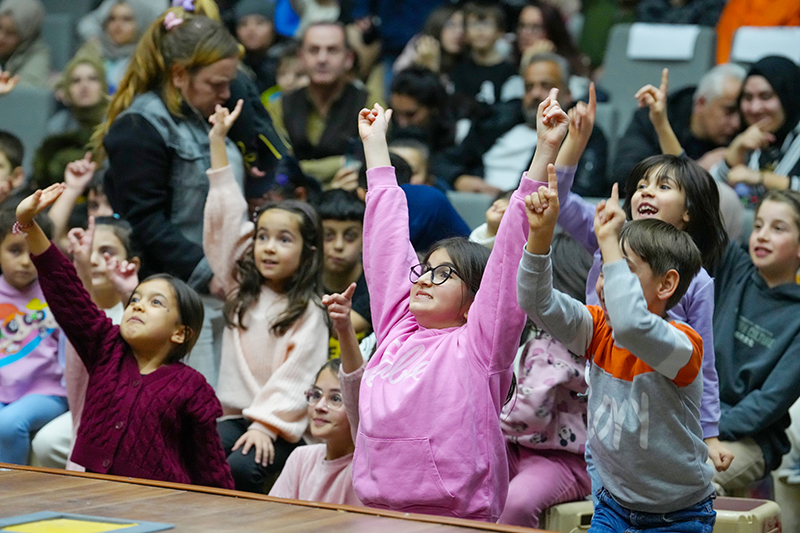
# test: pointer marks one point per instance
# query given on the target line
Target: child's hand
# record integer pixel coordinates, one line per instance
(542, 206)
(609, 217)
(581, 119)
(429, 53)
(339, 307)
(721, 456)
(7, 82)
(80, 247)
(38, 202)
(373, 122)
(123, 275)
(79, 173)
(345, 178)
(222, 120)
(552, 122)
(494, 215)
(655, 99)
(265, 449)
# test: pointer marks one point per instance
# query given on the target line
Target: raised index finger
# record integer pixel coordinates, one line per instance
(552, 179)
(348, 292)
(614, 199)
(664, 80)
(236, 110)
(592, 101)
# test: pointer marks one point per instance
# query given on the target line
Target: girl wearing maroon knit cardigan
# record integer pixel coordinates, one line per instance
(146, 414)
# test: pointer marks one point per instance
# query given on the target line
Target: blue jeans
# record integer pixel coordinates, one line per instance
(19, 419)
(609, 516)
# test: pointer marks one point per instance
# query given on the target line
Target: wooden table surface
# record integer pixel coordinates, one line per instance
(25, 490)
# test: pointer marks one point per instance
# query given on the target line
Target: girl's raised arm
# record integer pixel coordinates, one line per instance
(495, 320)
(388, 253)
(339, 307)
(87, 327)
(226, 231)
(576, 215)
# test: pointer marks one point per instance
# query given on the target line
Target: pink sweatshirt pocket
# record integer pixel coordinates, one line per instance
(398, 473)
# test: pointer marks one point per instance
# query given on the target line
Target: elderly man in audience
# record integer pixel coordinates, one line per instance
(705, 120)
(490, 164)
(320, 119)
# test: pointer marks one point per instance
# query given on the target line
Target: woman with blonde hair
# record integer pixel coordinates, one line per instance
(156, 140)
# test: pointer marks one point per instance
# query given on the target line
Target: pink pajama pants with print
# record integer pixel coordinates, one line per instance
(541, 479)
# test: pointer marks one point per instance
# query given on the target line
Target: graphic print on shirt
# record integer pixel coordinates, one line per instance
(23, 330)
(394, 368)
(610, 419)
(750, 333)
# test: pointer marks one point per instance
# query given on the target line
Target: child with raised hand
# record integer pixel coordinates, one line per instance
(146, 415)
(107, 267)
(429, 400)
(757, 341)
(77, 176)
(276, 337)
(322, 472)
(644, 420)
(31, 388)
(679, 192)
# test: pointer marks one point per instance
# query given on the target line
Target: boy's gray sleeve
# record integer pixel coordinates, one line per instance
(646, 335)
(563, 317)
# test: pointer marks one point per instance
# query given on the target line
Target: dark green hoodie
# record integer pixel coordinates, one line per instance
(757, 344)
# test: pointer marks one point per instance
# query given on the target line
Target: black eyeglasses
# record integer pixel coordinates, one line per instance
(439, 274)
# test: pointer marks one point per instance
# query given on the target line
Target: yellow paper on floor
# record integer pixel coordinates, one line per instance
(65, 525)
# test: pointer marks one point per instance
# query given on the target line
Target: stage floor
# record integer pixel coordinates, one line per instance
(25, 490)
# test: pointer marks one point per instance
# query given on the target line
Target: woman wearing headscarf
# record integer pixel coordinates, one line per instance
(22, 51)
(766, 155)
(84, 93)
(85, 96)
(113, 30)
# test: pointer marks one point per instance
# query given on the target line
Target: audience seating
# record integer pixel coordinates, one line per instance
(734, 515)
(606, 121)
(59, 34)
(76, 8)
(471, 206)
(752, 43)
(637, 53)
(24, 112)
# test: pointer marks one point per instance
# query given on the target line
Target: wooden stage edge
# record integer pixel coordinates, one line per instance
(419, 518)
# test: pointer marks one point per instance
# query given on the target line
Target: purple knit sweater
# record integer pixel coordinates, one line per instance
(159, 426)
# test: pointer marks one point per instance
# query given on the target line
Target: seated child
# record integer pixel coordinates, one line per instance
(342, 215)
(418, 156)
(429, 400)
(276, 336)
(486, 233)
(146, 414)
(322, 472)
(12, 176)
(255, 29)
(485, 74)
(645, 375)
(757, 340)
(107, 266)
(31, 389)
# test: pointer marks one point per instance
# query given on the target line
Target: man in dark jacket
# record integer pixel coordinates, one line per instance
(704, 119)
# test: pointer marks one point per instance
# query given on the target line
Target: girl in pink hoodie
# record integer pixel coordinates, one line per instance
(429, 437)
